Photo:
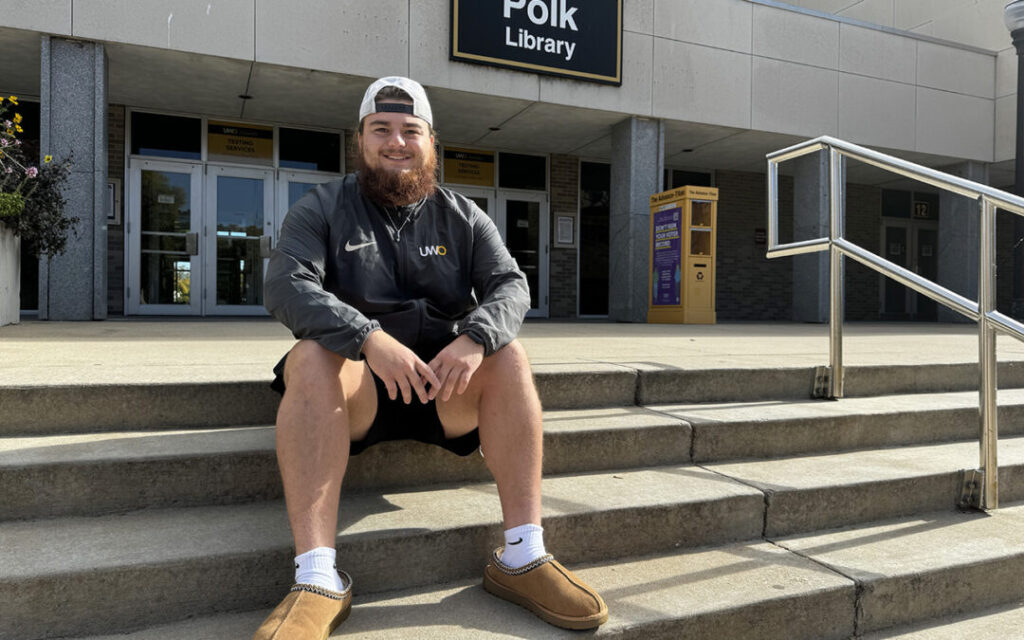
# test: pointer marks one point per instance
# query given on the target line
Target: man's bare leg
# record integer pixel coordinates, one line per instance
(502, 400)
(328, 402)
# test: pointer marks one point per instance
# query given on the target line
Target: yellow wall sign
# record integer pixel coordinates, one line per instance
(466, 166)
(240, 142)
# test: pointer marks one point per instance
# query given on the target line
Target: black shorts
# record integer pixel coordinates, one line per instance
(396, 420)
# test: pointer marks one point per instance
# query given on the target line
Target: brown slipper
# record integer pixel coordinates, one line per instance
(547, 589)
(308, 612)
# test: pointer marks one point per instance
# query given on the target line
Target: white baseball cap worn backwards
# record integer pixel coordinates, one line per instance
(420, 105)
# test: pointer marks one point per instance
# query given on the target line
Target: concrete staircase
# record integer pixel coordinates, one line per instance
(702, 504)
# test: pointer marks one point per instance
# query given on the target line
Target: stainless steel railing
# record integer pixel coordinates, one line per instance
(983, 312)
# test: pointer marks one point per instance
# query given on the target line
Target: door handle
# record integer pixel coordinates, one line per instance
(266, 244)
(192, 243)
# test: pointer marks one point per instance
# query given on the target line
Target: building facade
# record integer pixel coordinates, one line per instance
(194, 125)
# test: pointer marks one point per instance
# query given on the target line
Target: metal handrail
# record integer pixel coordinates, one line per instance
(983, 312)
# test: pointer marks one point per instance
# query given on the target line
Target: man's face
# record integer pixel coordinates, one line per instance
(396, 142)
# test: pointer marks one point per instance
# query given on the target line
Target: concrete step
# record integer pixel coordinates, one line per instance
(901, 579)
(197, 558)
(110, 472)
(1001, 623)
(924, 568)
(746, 590)
(810, 493)
(37, 410)
(660, 384)
(103, 574)
(732, 430)
(54, 409)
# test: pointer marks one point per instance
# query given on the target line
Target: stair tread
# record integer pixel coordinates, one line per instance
(148, 533)
(681, 588)
(925, 566)
(867, 465)
(118, 446)
(997, 624)
(915, 544)
(18, 451)
(768, 411)
(709, 591)
(169, 535)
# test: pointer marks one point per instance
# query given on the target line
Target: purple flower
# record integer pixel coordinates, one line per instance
(32, 172)
(4, 142)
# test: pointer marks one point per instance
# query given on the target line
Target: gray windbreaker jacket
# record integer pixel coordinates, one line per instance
(342, 268)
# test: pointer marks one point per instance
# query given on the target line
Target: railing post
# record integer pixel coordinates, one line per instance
(837, 225)
(987, 344)
(773, 204)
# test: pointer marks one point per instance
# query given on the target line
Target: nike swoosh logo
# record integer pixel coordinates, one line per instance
(517, 541)
(353, 247)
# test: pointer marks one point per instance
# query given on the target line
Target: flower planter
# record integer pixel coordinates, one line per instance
(10, 275)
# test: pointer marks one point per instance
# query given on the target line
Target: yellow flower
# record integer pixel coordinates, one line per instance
(48, 159)
(17, 118)
(13, 99)
(18, 128)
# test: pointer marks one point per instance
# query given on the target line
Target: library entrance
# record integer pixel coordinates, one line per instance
(199, 237)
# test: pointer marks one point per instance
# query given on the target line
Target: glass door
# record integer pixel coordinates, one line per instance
(483, 198)
(911, 244)
(926, 265)
(292, 185)
(165, 219)
(238, 231)
(523, 222)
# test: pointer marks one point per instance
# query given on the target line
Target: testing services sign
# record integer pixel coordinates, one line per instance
(579, 39)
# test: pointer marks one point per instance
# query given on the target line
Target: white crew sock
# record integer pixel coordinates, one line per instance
(317, 567)
(523, 545)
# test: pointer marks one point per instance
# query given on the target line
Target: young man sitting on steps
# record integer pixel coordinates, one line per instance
(406, 305)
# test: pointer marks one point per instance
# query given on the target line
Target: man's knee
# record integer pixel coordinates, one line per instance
(308, 361)
(506, 366)
(511, 357)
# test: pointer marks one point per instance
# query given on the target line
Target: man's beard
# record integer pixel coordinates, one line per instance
(397, 188)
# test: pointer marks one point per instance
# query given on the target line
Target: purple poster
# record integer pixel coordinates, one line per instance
(666, 265)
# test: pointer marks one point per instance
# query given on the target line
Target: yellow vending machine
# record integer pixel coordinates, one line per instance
(682, 258)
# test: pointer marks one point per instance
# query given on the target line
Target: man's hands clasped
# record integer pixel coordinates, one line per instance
(404, 373)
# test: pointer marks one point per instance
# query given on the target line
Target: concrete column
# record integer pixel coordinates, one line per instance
(810, 221)
(959, 236)
(637, 169)
(73, 121)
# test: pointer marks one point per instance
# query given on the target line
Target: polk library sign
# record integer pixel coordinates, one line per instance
(579, 39)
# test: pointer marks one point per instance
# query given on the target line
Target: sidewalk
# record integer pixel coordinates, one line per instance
(199, 350)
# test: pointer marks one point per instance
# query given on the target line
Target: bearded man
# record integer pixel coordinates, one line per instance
(406, 305)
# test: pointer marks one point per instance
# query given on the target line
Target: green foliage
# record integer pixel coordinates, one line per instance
(32, 198)
(11, 204)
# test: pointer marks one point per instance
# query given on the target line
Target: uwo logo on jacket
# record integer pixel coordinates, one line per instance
(438, 250)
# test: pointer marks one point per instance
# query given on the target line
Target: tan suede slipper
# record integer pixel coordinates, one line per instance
(549, 590)
(308, 612)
